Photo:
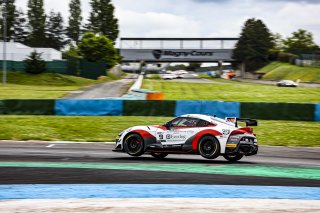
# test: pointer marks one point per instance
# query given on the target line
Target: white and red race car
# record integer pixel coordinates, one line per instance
(206, 135)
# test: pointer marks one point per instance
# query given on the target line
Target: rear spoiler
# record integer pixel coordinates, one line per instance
(248, 121)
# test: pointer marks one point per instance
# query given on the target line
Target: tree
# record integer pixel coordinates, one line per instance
(278, 47)
(254, 44)
(37, 21)
(102, 19)
(35, 64)
(177, 67)
(300, 42)
(277, 41)
(98, 47)
(11, 9)
(55, 32)
(20, 27)
(71, 52)
(75, 19)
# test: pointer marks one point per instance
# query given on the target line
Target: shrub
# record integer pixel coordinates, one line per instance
(35, 64)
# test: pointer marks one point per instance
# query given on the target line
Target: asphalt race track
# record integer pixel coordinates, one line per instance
(95, 163)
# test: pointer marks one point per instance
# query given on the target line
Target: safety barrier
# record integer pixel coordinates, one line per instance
(317, 112)
(155, 96)
(72, 66)
(279, 111)
(101, 107)
(218, 108)
(137, 84)
(27, 107)
(149, 108)
(88, 107)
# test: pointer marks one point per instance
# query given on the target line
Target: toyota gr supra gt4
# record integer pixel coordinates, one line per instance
(206, 135)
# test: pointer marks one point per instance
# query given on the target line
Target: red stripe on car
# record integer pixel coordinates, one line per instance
(160, 127)
(143, 133)
(202, 133)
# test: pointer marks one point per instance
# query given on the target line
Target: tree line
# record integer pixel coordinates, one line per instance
(35, 28)
(257, 45)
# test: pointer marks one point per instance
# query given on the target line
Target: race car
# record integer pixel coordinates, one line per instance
(206, 135)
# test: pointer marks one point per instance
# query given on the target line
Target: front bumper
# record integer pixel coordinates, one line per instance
(118, 148)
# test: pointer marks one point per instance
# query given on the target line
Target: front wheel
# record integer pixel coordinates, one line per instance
(209, 147)
(233, 157)
(134, 145)
(159, 155)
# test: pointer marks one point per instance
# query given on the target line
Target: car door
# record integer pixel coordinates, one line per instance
(179, 130)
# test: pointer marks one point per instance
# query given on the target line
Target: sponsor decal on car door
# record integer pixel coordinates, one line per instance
(175, 135)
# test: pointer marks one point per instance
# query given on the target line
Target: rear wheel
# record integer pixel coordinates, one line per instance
(134, 145)
(209, 147)
(233, 157)
(159, 155)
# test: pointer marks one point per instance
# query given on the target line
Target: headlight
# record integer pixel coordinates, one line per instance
(121, 133)
(119, 136)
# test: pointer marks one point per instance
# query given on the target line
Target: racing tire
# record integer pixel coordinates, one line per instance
(209, 147)
(134, 145)
(159, 155)
(233, 157)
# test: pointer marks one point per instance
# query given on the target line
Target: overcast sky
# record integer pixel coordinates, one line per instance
(203, 18)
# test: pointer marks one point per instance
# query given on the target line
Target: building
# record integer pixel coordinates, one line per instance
(19, 52)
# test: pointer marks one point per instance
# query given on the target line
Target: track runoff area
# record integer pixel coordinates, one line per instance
(89, 177)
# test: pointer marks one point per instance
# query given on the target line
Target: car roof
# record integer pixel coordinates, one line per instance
(287, 81)
(209, 118)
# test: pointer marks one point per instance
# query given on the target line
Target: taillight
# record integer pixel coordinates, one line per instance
(237, 132)
(246, 130)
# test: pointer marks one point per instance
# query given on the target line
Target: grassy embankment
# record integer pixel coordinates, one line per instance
(279, 71)
(225, 90)
(22, 85)
(52, 128)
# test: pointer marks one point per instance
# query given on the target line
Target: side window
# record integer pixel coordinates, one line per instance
(203, 123)
(185, 122)
(176, 121)
(190, 122)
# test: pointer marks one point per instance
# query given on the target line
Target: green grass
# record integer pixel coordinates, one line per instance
(279, 71)
(205, 76)
(226, 90)
(270, 67)
(288, 133)
(69, 128)
(115, 77)
(53, 128)
(22, 85)
(154, 76)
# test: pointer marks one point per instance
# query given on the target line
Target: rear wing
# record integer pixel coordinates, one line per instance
(248, 121)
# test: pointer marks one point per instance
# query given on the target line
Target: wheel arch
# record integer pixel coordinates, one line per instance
(129, 133)
(202, 134)
(145, 135)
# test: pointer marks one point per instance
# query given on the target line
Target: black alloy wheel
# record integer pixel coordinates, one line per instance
(209, 147)
(134, 145)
